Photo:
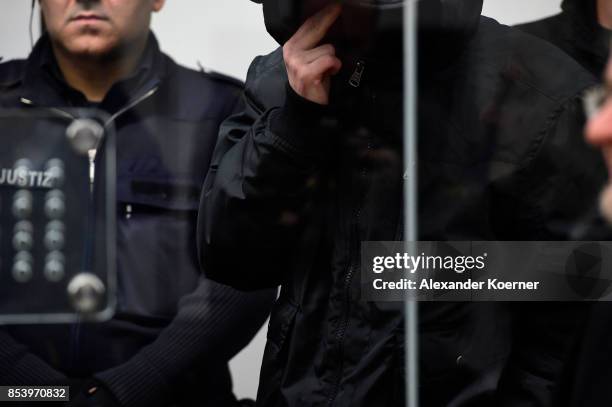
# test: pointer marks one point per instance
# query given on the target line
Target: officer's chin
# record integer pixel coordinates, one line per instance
(606, 203)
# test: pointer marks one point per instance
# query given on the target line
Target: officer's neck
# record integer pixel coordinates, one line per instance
(94, 76)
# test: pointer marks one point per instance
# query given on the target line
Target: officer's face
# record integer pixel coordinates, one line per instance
(98, 28)
(599, 133)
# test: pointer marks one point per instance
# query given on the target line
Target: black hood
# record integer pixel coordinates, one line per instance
(445, 27)
(459, 17)
(455, 17)
(372, 30)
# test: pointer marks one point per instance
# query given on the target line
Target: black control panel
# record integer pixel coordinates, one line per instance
(56, 216)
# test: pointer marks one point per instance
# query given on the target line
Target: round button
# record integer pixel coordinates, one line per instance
(86, 292)
(22, 204)
(54, 236)
(55, 170)
(23, 239)
(54, 267)
(22, 267)
(23, 163)
(55, 206)
(84, 135)
(21, 170)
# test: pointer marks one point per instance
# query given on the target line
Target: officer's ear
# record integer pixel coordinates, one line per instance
(158, 5)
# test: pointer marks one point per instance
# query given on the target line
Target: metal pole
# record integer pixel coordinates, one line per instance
(410, 193)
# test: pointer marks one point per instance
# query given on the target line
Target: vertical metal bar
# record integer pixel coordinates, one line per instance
(410, 193)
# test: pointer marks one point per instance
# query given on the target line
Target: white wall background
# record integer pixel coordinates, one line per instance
(225, 36)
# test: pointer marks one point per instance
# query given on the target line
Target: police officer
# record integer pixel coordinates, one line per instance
(174, 332)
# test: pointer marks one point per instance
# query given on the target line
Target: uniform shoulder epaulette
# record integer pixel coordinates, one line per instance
(221, 77)
(11, 73)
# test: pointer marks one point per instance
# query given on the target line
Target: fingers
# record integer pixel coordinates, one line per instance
(306, 76)
(316, 53)
(325, 66)
(309, 65)
(315, 28)
(321, 56)
(294, 59)
(312, 81)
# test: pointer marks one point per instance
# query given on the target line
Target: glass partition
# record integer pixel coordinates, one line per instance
(402, 189)
(58, 216)
(507, 247)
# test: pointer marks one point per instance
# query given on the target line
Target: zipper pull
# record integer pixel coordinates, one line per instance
(355, 80)
(92, 167)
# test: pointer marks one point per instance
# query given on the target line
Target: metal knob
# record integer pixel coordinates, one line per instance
(21, 170)
(86, 292)
(54, 266)
(54, 236)
(55, 169)
(55, 206)
(23, 239)
(22, 204)
(84, 135)
(22, 267)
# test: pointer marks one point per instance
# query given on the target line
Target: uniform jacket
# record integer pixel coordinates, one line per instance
(174, 331)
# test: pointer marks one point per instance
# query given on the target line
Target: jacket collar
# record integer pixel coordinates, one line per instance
(44, 84)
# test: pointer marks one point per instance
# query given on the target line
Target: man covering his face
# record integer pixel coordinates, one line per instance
(312, 167)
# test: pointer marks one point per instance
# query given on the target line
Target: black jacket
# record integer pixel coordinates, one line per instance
(295, 187)
(576, 31)
(174, 331)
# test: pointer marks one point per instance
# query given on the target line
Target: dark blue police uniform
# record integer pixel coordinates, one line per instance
(174, 332)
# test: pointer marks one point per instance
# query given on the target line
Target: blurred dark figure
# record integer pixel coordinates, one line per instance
(582, 30)
(588, 376)
(174, 331)
(312, 166)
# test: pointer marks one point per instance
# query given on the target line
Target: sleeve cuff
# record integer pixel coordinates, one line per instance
(301, 124)
(135, 384)
(22, 368)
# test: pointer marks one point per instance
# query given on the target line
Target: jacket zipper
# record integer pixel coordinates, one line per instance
(92, 158)
(131, 105)
(341, 332)
(355, 80)
(93, 152)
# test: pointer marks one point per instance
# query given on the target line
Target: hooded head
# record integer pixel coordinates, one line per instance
(369, 18)
(373, 28)
(358, 19)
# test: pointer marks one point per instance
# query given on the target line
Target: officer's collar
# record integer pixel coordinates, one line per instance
(44, 84)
